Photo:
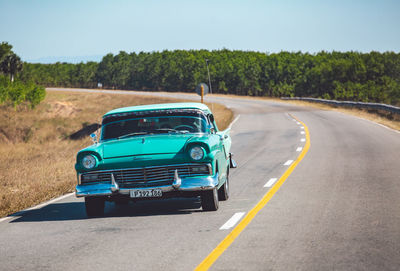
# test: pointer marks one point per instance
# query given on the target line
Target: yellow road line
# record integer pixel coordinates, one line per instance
(217, 252)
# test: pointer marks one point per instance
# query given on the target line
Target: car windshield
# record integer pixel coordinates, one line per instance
(153, 125)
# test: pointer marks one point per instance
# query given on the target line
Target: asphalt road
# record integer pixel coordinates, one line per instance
(338, 210)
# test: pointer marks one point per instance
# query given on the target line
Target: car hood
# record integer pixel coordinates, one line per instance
(159, 144)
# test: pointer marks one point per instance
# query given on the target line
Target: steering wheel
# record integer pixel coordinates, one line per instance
(184, 127)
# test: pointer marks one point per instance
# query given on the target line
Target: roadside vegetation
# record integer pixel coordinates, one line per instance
(37, 156)
(15, 92)
(353, 76)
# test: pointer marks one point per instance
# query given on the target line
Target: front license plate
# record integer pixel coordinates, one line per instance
(148, 193)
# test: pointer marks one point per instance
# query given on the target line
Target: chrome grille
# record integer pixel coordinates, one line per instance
(147, 176)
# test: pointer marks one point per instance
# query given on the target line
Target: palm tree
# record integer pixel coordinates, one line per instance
(5, 49)
(11, 65)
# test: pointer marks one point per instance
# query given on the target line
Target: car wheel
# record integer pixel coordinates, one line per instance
(209, 200)
(94, 206)
(223, 191)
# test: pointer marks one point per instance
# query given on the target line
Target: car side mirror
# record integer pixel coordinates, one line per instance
(211, 128)
(94, 138)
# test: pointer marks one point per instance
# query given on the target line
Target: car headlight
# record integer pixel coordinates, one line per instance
(88, 161)
(196, 153)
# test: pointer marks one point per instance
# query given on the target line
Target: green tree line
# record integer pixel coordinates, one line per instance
(13, 91)
(368, 77)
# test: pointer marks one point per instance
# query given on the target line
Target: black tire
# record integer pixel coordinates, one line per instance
(223, 191)
(94, 206)
(209, 200)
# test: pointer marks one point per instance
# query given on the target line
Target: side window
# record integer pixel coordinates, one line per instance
(210, 118)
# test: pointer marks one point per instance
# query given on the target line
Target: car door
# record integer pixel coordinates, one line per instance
(224, 146)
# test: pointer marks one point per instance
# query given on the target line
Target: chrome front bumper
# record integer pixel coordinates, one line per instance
(180, 184)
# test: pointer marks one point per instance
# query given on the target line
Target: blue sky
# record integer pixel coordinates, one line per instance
(81, 30)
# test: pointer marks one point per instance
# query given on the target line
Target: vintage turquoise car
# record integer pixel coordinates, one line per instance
(155, 151)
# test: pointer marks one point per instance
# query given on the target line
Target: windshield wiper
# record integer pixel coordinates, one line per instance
(172, 130)
(133, 134)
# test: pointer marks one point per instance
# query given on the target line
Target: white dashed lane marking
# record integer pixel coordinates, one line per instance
(303, 140)
(232, 221)
(288, 163)
(270, 182)
(302, 132)
(299, 149)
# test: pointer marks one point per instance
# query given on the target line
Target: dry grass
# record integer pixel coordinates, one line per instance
(37, 157)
